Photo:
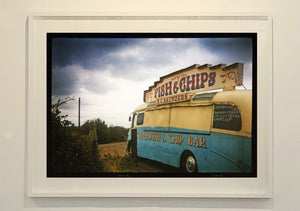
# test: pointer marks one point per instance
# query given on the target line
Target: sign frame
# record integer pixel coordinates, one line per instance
(38, 185)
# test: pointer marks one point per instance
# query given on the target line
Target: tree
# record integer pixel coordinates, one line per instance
(101, 129)
(117, 134)
(56, 113)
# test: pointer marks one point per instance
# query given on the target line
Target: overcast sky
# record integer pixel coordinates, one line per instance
(111, 74)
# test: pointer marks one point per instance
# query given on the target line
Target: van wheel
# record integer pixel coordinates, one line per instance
(189, 163)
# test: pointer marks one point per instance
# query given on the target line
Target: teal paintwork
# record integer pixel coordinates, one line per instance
(220, 153)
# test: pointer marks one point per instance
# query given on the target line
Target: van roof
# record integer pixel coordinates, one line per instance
(141, 107)
(237, 96)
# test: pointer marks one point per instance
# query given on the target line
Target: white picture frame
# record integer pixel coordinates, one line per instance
(40, 186)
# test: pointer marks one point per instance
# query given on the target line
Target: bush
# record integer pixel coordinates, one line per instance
(69, 152)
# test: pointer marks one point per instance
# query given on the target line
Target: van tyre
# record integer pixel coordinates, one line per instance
(189, 163)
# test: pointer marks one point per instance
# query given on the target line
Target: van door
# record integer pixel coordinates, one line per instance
(144, 145)
(185, 123)
(156, 124)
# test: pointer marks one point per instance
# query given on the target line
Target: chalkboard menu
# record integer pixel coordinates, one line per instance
(227, 117)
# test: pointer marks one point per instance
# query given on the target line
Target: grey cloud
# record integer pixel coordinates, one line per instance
(134, 67)
(230, 49)
(65, 81)
(97, 86)
(85, 51)
(104, 54)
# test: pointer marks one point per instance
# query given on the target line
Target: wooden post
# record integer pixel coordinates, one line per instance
(79, 112)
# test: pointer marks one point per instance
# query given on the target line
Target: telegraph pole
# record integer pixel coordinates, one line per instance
(79, 113)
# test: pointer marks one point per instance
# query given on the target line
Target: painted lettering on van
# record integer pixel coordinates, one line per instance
(143, 135)
(197, 141)
(177, 139)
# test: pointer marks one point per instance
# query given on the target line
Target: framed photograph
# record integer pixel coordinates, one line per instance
(130, 106)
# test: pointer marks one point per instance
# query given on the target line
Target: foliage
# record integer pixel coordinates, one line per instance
(69, 151)
(78, 156)
(73, 150)
(117, 134)
(56, 116)
(101, 129)
(118, 164)
(105, 134)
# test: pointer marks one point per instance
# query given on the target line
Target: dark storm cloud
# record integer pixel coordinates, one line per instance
(91, 53)
(76, 59)
(122, 57)
(86, 52)
(64, 80)
(71, 55)
(230, 50)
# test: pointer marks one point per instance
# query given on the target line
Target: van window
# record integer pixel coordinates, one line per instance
(140, 119)
(205, 96)
(227, 117)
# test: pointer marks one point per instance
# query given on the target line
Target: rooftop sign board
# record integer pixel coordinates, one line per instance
(178, 86)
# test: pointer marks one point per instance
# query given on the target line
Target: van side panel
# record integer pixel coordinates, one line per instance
(214, 152)
(144, 146)
(232, 153)
(195, 118)
(157, 118)
(201, 128)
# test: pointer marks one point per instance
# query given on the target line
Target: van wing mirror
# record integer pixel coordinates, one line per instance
(129, 118)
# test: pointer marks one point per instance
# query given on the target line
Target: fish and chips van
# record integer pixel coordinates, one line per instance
(196, 119)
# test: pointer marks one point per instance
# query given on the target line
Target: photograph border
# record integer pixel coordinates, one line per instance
(41, 186)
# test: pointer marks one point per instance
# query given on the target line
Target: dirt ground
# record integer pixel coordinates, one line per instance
(144, 165)
(113, 149)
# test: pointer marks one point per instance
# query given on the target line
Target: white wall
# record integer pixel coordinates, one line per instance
(286, 44)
